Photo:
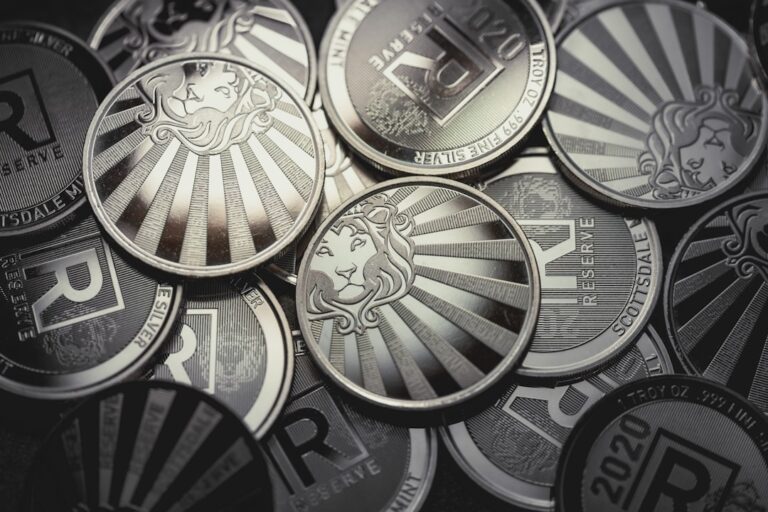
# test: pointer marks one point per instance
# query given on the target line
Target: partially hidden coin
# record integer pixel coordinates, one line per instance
(328, 456)
(271, 34)
(600, 272)
(716, 297)
(203, 165)
(77, 316)
(51, 84)
(759, 35)
(154, 446)
(438, 89)
(418, 294)
(512, 448)
(666, 443)
(555, 11)
(656, 105)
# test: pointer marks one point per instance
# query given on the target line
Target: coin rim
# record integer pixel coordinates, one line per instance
(756, 61)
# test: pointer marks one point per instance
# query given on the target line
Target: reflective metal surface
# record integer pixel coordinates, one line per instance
(418, 294)
(202, 165)
(50, 86)
(76, 316)
(758, 35)
(669, 443)
(555, 11)
(271, 34)
(656, 105)
(600, 272)
(430, 88)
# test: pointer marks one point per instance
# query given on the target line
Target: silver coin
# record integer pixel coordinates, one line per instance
(51, 84)
(758, 32)
(271, 34)
(656, 105)
(76, 316)
(438, 89)
(716, 297)
(202, 165)
(418, 294)
(327, 456)
(600, 272)
(233, 342)
(512, 448)
(555, 11)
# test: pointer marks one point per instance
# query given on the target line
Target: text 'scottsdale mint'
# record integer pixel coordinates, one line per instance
(50, 87)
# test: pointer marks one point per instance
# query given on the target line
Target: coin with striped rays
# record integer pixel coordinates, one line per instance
(716, 297)
(268, 33)
(203, 165)
(152, 446)
(418, 294)
(656, 105)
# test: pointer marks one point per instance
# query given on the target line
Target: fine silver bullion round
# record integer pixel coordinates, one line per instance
(418, 294)
(203, 165)
(76, 316)
(233, 342)
(512, 448)
(600, 272)
(51, 84)
(656, 105)
(716, 297)
(436, 89)
(271, 34)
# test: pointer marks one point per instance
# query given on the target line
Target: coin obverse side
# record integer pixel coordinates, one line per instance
(512, 448)
(233, 342)
(716, 297)
(666, 443)
(150, 446)
(50, 87)
(600, 272)
(76, 316)
(418, 294)
(271, 34)
(202, 165)
(436, 88)
(655, 106)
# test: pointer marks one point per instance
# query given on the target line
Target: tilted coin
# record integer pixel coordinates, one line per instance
(600, 272)
(663, 444)
(327, 456)
(203, 165)
(154, 446)
(656, 105)
(759, 35)
(418, 294)
(512, 448)
(51, 84)
(233, 342)
(436, 88)
(716, 297)
(271, 34)
(76, 316)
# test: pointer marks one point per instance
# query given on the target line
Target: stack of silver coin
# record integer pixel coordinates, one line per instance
(245, 267)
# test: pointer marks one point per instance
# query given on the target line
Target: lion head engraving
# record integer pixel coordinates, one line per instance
(82, 345)
(747, 252)
(743, 497)
(365, 260)
(695, 146)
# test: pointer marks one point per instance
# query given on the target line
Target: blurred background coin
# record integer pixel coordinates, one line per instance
(512, 448)
(555, 11)
(51, 84)
(600, 272)
(268, 33)
(76, 316)
(437, 89)
(418, 294)
(759, 35)
(202, 165)
(656, 105)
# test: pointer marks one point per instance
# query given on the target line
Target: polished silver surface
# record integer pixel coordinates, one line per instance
(601, 273)
(271, 34)
(418, 294)
(203, 165)
(436, 88)
(512, 448)
(656, 105)
(50, 86)
(233, 342)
